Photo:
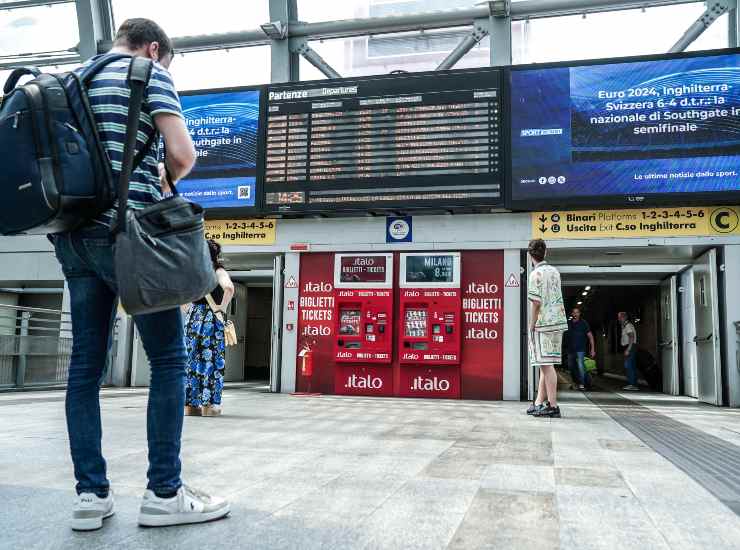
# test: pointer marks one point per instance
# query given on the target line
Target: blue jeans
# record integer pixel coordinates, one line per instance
(577, 366)
(86, 257)
(630, 366)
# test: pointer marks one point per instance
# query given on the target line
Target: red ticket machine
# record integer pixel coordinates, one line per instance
(363, 336)
(430, 335)
(431, 305)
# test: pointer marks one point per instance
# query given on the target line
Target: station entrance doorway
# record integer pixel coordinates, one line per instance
(672, 295)
(256, 311)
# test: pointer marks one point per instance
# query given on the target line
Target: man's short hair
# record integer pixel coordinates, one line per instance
(537, 249)
(138, 32)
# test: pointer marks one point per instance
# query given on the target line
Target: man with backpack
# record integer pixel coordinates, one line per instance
(87, 259)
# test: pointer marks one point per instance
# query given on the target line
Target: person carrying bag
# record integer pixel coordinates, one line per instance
(207, 334)
(229, 328)
(161, 256)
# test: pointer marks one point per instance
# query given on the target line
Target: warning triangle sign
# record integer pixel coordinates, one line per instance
(291, 282)
(512, 282)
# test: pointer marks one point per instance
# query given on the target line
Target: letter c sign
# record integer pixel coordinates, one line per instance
(724, 220)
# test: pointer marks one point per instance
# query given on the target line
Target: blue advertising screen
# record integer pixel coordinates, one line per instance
(629, 131)
(224, 128)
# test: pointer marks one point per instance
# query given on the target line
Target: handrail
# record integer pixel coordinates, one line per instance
(34, 310)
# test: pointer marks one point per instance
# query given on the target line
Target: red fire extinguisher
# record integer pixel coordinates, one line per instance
(306, 356)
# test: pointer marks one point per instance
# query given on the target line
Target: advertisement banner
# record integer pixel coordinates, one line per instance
(711, 221)
(626, 130)
(482, 365)
(224, 130)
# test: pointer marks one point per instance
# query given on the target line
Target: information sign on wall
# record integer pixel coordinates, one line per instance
(242, 232)
(711, 221)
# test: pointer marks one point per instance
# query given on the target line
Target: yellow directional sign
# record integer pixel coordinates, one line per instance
(242, 232)
(709, 221)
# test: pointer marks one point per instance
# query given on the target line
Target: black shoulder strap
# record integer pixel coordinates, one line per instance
(138, 78)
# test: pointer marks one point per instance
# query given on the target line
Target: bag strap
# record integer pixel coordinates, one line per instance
(212, 304)
(138, 78)
(17, 74)
(89, 72)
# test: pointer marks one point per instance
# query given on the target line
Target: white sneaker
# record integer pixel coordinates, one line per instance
(89, 511)
(188, 506)
(630, 387)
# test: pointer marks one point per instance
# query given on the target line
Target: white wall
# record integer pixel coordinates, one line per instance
(732, 289)
(688, 332)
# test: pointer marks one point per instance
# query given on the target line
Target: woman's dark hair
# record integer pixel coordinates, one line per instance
(537, 249)
(138, 32)
(215, 249)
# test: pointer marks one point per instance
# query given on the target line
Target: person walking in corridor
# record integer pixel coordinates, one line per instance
(206, 344)
(546, 327)
(629, 343)
(578, 337)
(86, 257)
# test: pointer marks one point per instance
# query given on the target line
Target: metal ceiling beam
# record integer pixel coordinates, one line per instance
(284, 63)
(714, 11)
(95, 23)
(301, 47)
(479, 32)
(525, 9)
(202, 42)
(41, 61)
(20, 4)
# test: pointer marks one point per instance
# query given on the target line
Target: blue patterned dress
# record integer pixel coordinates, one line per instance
(206, 347)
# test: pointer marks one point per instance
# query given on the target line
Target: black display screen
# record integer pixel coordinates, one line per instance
(388, 142)
(434, 268)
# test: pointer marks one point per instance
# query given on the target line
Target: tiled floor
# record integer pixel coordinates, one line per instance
(332, 472)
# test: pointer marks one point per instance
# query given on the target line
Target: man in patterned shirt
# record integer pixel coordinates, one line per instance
(86, 256)
(546, 327)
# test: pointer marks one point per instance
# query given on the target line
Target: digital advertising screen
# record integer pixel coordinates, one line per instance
(224, 126)
(644, 131)
(399, 141)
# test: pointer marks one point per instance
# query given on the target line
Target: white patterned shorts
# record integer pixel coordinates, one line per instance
(546, 348)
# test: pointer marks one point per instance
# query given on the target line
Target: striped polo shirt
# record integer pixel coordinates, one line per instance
(109, 98)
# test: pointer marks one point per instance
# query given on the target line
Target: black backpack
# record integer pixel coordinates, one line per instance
(56, 174)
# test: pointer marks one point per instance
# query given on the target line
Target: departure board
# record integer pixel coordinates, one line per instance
(388, 142)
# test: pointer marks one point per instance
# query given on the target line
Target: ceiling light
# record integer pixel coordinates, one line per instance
(588, 288)
(579, 303)
(584, 293)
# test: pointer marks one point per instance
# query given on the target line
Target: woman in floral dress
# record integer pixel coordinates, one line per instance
(204, 337)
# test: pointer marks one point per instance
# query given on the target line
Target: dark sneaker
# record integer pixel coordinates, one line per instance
(534, 408)
(548, 412)
(581, 387)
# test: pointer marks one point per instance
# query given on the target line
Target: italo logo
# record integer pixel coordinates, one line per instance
(421, 383)
(482, 288)
(321, 287)
(364, 382)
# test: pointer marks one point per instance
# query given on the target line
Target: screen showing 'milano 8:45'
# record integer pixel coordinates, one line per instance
(626, 129)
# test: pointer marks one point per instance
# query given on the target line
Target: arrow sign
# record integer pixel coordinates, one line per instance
(543, 229)
(543, 218)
